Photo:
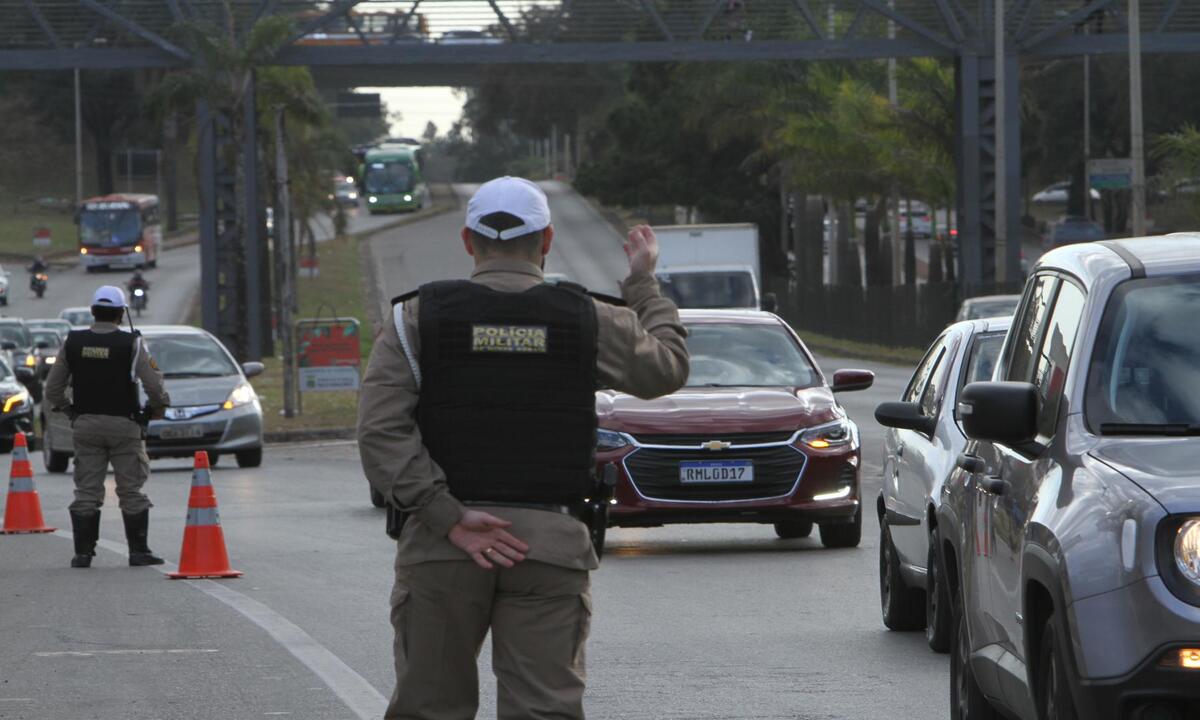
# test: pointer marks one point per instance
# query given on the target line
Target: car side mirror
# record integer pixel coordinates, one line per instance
(850, 380)
(999, 412)
(253, 368)
(904, 416)
(770, 302)
(8, 345)
(24, 373)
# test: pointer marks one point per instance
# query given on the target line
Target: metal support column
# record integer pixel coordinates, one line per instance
(206, 170)
(251, 233)
(967, 160)
(222, 283)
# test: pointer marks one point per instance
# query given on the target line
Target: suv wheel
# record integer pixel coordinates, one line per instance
(1053, 690)
(937, 600)
(842, 535)
(792, 529)
(902, 606)
(966, 699)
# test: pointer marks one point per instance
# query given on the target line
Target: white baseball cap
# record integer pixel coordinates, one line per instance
(517, 197)
(109, 296)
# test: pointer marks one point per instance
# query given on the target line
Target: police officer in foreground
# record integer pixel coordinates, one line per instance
(102, 366)
(477, 418)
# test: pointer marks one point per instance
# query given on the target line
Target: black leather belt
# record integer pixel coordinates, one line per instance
(565, 510)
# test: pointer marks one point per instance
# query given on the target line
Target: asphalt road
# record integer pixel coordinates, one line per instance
(701, 622)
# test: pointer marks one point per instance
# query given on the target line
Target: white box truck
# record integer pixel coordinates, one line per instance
(710, 266)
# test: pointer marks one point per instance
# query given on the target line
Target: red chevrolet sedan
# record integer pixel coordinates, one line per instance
(755, 435)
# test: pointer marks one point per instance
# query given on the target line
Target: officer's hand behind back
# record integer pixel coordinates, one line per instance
(642, 250)
(483, 537)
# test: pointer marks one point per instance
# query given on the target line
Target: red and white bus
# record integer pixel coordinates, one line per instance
(119, 230)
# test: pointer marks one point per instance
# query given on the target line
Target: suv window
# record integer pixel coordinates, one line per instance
(1050, 372)
(921, 377)
(1028, 329)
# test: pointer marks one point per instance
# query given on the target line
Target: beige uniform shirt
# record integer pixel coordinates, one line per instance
(641, 352)
(143, 369)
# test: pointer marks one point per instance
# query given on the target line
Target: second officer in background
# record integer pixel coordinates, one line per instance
(102, 367)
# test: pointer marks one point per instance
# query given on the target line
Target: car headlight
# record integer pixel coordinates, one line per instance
(241, 395)
(408, 198)
(838, 433)
(16, 401)
(607, 440)
(1187, 550)
(372, 199)
(352, 196)
(50, 359)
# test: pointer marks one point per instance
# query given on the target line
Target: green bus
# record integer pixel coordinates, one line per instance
(392, 181)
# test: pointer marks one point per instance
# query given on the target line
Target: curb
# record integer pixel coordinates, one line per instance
(297, 436)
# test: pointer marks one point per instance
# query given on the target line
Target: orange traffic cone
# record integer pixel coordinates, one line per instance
(23, 512)
(203, 554)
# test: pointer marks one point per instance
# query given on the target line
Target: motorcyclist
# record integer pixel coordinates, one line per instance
(39, 265)
(139, 282)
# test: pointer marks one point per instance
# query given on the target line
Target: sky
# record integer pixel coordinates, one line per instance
(419, 105)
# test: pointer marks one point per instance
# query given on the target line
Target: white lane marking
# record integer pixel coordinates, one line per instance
(16, 699)
(132, 651)
(351, 688)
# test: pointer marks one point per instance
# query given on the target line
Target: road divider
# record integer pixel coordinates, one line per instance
(23, 508)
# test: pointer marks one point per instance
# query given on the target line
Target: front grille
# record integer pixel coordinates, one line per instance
(208, 438)
(735, 438)
(655, 473)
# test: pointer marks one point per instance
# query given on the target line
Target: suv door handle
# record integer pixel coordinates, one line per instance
(971, 463)
(995, 485)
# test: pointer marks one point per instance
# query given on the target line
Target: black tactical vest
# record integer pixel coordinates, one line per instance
(102, 372)
(508, 396)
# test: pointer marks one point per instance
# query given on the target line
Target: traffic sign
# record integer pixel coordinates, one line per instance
(41, 237)
(1110, 173)
(328, 354)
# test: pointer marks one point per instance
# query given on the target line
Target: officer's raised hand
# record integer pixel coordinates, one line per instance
(642, 250)
(483, 537)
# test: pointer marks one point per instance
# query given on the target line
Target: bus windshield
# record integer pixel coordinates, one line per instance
(110, 228)
(389, 177)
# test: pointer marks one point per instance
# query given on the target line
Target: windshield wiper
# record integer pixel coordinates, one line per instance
(1179, 429)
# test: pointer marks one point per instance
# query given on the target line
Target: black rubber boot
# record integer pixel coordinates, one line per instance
(136, 528)
(86, 529)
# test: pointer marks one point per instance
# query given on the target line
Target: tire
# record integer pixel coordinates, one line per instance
(213, 459)
(249, 458)
(793, 529)
(842, 535)
(1053, 689)
(903, 608)
(377, 499)
(938, 616)
(966, 699)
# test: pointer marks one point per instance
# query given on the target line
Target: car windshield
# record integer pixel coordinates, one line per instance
(1146, 365)
(183, 356)
(737, 354)
(15, 334)
(984, 353)
(50, 337)
(709, 290)
(82, 316)
(389, 177)
(992, 308)
(110, 227)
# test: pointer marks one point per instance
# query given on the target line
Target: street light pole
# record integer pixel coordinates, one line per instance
(1001, 194)
(1136, 128)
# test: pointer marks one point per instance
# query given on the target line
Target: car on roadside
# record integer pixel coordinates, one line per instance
(345, 192)
(48, 342)
(987, 306)
(213, 406)
(922, 441)
(16, 407)
(756, 435)
(1071, 527)
(80, 318)
(1069, 230)
(18, 346)
(1057, 193)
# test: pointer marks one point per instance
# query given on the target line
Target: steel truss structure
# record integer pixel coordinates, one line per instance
(390, 41)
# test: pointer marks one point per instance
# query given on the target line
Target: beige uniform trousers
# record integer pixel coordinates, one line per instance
(539, 616)
(100, 440)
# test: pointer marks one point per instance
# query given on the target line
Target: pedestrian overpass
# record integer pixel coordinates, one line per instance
(439, 42)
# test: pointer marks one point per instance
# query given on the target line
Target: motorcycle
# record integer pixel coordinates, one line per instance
(37, 283)
(138, 303)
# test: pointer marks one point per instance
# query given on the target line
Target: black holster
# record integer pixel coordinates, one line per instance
(395, 521)
(595, 510)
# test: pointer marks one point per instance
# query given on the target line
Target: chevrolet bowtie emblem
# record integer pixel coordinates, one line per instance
(716, 445)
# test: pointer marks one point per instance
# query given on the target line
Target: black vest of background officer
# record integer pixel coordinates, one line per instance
(508, 392)
(102, 372)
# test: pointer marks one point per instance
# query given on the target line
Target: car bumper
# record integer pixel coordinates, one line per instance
(129, 260)
(1121, 639)
(15, 422)
(219, 432)
(824, 489)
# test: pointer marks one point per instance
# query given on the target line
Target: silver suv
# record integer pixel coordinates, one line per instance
(1071, 529)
